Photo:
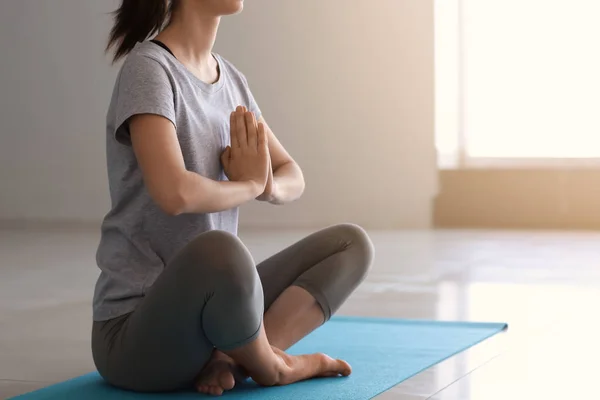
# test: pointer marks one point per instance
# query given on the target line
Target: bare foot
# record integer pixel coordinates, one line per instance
(308, 366)
(218, 375)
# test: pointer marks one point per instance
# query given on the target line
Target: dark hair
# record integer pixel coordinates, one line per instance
(135, 21)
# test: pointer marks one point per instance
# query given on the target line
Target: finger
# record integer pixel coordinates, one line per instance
(262, 137)
(256, 126)
(269, 187)
(240, 126)
(252, 130)
(233, 131)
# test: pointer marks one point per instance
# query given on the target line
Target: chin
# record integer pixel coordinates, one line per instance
(228, 7)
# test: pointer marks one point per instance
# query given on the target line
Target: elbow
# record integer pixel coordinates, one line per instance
(301, 182)
(173, 200)
(302, 185)
(173, 204)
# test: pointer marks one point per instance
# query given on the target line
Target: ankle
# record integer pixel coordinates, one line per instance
(269, 378)
(289, 367)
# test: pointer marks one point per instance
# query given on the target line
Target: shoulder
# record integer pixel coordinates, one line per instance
(147, 59)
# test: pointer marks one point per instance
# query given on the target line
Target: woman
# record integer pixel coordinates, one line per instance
(179, 301)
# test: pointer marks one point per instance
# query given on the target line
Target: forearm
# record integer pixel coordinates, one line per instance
(200, 195)
(288, 183)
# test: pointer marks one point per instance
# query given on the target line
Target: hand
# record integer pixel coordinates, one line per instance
(269, 193)
(247, 160)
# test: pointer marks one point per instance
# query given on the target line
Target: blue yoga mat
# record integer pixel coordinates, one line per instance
(382, 352)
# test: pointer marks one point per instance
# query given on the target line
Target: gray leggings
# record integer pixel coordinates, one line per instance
(212, 295)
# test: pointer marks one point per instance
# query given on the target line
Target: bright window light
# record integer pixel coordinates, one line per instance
(527, 78)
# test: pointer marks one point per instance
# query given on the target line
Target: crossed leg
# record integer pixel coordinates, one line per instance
(303, 286)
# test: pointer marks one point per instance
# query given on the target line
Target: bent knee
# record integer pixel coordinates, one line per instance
(222, 256)
(216, 249)
(216, 239)
(360, 246)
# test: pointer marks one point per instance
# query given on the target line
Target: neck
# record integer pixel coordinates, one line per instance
(191, 36)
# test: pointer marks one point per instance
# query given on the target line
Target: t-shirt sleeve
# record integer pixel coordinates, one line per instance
(144, 88)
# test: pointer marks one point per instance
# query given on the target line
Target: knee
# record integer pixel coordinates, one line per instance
(359, 245)
(221, 256)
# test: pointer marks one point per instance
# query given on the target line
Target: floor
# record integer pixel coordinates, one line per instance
(546, 285)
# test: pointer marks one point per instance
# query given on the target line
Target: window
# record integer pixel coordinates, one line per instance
(517, 81)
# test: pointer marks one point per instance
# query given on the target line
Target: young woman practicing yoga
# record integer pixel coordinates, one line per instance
(180, 302)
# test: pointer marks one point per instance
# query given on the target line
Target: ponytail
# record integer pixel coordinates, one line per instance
(135, 21)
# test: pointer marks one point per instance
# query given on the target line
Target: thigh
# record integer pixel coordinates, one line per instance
(163, 344)
(160, 346)
(279, 272)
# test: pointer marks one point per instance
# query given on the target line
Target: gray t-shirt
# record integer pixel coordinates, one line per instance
(138, 238)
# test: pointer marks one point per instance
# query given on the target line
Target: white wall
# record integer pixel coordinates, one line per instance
(346, 84)
(55, 85)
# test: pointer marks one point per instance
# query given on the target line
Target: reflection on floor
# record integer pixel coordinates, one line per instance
(544, 284)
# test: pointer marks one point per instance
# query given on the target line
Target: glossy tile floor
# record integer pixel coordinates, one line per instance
(545, 285)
